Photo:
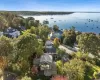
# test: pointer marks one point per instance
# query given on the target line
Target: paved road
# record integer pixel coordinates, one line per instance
(69, 51)
(66, 49)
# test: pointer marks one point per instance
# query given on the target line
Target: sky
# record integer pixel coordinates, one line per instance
(50, 5)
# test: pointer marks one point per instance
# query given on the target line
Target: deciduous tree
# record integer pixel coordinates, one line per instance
(89, 43)
(5, 46)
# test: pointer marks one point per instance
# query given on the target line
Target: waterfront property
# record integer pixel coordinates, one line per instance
(32, 55)
(12, 33)
(49, 47)
(54, 35)
(46, 63)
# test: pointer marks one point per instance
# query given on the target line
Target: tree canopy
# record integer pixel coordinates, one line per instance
(69, 37)
(89, 43)
(27, 44)
(5, 46)
(75, 69)
(55, 28)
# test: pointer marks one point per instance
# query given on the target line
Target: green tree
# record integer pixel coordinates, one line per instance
(43, 32)
(56, 42)
(27, 44)
(75, 69)
(67, 41)
(61, 53)
(6, 49)
(69, 37)
(3, 23)
(9, 17)
(31, 23)
(27, 22)
(55, 28)
(30, 18)
(36, 23)
(34, 30)
(17, 21)
(60, 67)
(89, 43)
(5, 46)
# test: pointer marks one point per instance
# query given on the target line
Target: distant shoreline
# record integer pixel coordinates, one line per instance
(32, 13)
(38, 12)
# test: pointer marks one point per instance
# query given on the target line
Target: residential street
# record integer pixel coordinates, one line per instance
(66, 49)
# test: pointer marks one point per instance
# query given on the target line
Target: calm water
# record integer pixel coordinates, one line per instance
(85, 22)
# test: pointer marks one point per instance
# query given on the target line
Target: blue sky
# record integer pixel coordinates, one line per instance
(50, 5)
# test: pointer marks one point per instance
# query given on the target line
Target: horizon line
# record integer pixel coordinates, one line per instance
(52, 11)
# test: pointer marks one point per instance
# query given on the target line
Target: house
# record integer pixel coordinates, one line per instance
(46, 58)
(49, 47)
(47, 65)
(12, 33)
(54, 35)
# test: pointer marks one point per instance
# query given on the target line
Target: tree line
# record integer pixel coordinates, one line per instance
(39, 12)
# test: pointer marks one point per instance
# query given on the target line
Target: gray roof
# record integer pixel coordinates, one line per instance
(48, 42)
(46, 58)
(50, 50)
